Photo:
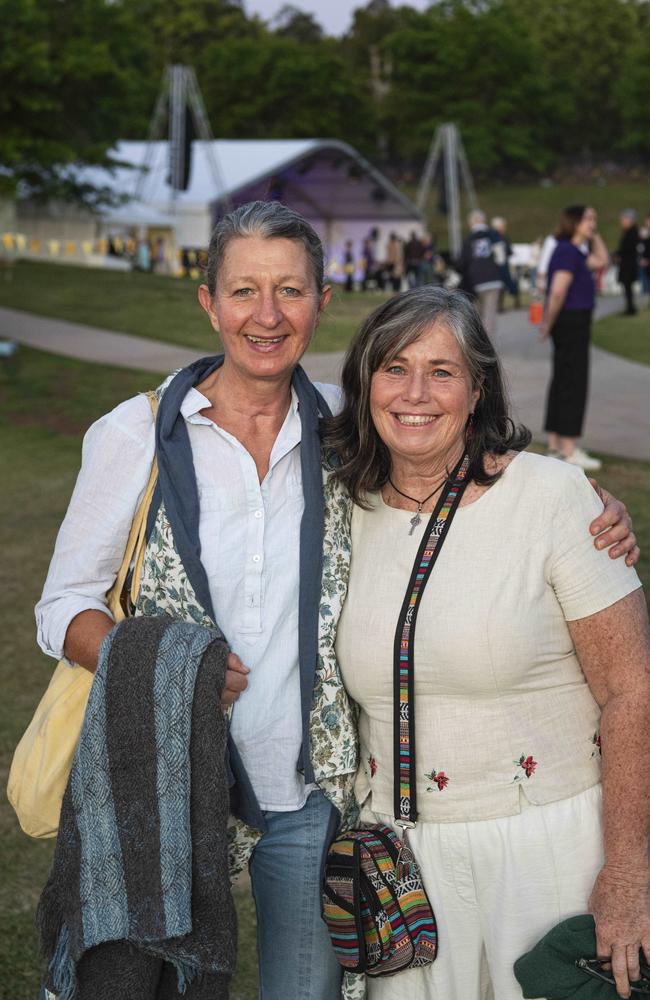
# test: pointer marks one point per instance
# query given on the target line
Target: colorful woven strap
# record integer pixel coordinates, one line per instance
(405, 797)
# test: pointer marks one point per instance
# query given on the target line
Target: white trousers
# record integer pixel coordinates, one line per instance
(496, 887)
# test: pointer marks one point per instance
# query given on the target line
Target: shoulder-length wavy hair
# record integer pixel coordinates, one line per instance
(363, 462)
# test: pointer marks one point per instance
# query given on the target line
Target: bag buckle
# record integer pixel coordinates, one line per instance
(405, 824)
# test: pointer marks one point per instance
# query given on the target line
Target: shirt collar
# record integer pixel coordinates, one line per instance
(191, 406)
(195, 401)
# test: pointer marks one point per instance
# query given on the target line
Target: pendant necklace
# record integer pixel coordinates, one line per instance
(416, 519)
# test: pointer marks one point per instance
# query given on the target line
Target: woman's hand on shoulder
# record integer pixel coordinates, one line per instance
(613, 528)
(620, 905)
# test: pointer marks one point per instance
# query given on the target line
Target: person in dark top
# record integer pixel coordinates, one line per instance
(479, 268)
(645, 255)
(570, 301)
(348, 266)
(510, 280)
(627, 258)
(413, 255)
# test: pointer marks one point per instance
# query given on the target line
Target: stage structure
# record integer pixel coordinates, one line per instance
(448, 154)
(180, 117)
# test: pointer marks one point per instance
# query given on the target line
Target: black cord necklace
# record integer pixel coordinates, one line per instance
(416, 519)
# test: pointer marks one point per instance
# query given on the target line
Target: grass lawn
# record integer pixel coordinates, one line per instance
(628, 336)
(149, 305)
(533, 210)
(165, 309)
(46, 403)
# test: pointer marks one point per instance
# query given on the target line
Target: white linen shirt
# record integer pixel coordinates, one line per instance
(250, 543)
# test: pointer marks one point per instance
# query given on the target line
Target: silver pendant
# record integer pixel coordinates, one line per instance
(415, 520)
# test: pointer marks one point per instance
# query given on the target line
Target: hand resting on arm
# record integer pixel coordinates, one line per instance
(87, 631)
(613, 647)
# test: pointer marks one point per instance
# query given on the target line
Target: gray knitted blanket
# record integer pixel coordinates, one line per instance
(141, 856)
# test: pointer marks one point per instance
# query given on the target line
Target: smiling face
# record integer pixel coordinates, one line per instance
(421, 399)
(266, 306)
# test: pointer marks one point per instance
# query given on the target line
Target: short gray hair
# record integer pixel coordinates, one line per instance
(270, 220)
(364, 460)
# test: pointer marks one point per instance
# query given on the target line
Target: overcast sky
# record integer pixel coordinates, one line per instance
(334, 16)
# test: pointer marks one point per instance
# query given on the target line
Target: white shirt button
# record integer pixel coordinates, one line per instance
(256, 558)
(258, 513)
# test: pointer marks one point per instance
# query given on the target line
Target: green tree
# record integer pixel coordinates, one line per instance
(473, 64)
(290, 22)
(70, 85)
(632, 88)
(268, 86)
(363, 49)
(584, 46)
(179, 31)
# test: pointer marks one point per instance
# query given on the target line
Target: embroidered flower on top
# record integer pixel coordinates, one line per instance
(527, 764)
(595, 742)
(439, 778)
(372, 764)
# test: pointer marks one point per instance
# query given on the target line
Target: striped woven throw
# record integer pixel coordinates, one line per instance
(141, 855)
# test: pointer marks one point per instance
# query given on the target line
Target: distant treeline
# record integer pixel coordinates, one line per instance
(532, 84)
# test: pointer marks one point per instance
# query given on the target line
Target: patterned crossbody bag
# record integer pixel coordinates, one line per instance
(374, 903)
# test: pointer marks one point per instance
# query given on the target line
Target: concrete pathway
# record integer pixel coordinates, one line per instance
(618, 418)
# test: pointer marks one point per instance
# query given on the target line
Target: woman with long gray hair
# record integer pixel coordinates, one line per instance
(516, 651)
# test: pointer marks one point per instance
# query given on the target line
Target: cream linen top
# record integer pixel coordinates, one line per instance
(502, 705)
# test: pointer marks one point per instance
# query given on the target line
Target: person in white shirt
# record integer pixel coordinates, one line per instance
(244, 423)
(541, 275)
(530, 646)
(264, 296)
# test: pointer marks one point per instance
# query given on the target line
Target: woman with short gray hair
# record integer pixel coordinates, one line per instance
(266, 220)
(236, 542)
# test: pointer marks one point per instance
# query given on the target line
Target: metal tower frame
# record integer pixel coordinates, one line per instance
(447, 143)
(180, 90)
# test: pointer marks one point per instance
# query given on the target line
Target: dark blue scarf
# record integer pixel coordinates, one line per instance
(177, 488)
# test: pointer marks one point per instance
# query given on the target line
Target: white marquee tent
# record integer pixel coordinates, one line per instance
(328, 181)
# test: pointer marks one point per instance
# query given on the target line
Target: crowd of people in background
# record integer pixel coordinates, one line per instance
(151, 254)
(484, 267)
(391, 265)
(564, 272)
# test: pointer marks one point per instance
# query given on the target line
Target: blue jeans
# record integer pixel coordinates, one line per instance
(296, 959)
